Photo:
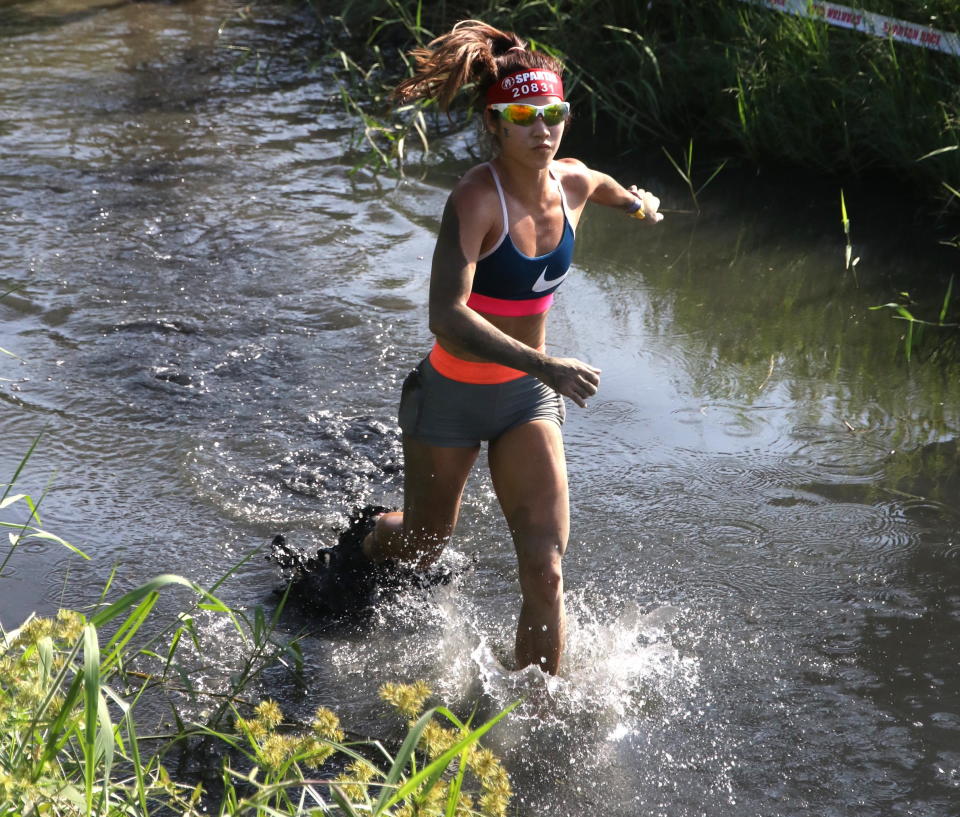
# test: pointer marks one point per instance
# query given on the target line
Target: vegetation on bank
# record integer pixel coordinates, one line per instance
(717, 81)
(71, 742)
(739, 80)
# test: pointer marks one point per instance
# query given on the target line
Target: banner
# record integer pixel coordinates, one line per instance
(876, 25)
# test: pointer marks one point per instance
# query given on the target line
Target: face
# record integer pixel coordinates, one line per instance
(535, 144)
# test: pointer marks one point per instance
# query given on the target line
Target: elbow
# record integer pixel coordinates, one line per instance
(437, 324)
(442, 322)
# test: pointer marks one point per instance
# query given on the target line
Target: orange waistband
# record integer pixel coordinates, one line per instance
(471, 371)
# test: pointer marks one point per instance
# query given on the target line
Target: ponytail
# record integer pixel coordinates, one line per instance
(471, 52)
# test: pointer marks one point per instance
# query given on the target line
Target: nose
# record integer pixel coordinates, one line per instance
(539, 126)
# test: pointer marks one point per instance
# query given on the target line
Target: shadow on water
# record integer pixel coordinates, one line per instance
(16, 20)
(216, 321)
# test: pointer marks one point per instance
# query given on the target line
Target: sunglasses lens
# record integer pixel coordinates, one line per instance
(520, 114)
(555, 114)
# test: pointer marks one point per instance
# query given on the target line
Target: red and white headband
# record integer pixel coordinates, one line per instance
(523, 84)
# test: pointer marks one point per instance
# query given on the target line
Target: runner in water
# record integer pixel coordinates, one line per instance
(505, 245)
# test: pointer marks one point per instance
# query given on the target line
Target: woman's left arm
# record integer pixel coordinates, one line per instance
(603, 189)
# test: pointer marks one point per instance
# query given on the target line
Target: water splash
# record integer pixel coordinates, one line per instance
(613, 672)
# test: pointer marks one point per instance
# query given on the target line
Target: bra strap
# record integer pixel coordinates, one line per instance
(563, 198)
(503, 205)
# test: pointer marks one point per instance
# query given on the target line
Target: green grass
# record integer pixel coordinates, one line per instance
(71, 746)
(933, 335)
(741, 81)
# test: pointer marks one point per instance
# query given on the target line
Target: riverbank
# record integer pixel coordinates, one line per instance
(735, 79)
(218, 316)
(77, 691)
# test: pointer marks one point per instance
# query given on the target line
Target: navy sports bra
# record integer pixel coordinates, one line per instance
(507, 282)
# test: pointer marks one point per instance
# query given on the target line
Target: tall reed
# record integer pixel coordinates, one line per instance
(739, 79)
(70, 743)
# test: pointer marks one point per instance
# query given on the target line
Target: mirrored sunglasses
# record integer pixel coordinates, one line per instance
(518, 113)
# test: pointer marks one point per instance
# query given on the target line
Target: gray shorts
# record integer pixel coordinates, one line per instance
(444, 412)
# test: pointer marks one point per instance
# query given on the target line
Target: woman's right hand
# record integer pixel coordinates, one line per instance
(571, 377)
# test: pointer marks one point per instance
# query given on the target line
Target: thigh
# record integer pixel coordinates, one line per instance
(529, 474)
(434, 477)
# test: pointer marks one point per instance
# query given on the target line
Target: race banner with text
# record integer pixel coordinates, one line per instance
(877, 25)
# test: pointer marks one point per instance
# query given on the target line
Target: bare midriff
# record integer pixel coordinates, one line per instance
(530, 330)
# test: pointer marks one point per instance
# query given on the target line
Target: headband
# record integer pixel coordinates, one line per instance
(526, 83)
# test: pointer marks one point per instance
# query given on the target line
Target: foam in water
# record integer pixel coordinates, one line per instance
(611, 672)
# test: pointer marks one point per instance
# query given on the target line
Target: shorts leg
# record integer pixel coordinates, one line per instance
(442, 412)
(526, 400)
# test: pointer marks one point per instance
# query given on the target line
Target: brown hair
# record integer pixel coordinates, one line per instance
(471, 52)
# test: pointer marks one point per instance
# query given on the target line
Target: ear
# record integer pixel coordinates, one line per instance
(491, 122)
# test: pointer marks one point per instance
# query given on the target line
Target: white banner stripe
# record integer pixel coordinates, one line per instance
(867, 22)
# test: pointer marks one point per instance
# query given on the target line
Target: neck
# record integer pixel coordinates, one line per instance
(527, 184)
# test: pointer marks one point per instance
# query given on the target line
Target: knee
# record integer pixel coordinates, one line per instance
(392, 538)
(541, 578)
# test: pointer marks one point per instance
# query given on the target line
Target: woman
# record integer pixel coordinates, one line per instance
(505, 244)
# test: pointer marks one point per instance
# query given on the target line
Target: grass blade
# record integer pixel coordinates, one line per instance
(946, 301)
(23, 463)
(128, 629)
(431, 773)
(91, 694)
(400, 761)
(341, 800)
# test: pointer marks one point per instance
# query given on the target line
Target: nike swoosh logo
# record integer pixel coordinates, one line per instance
(542, 283)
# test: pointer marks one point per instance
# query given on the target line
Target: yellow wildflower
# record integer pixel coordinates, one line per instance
(362, 770)
(465, 806)
(31, 693)
(483, 763)
(354, 791)
(34, 630)
(436, 739)
(435, 798)
(254, 729)
(276, 750)
(314, 752)
(407, 699)
(494, 804)
(327, 725)
(269, 713)
(498, 781)
(69, 625)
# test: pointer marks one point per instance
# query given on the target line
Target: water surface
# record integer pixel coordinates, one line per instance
(214, 317)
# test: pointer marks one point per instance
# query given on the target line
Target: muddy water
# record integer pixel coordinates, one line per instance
(213, 319)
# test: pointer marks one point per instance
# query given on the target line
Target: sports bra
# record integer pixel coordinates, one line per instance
(507, 282)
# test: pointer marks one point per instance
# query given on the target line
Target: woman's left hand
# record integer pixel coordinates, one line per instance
(649, 205)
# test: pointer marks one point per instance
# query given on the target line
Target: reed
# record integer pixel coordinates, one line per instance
(70, 743)
(742, 81)
(919, 330)
(684, 168)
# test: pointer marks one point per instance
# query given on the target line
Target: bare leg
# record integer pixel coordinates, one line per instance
(530, 477)
(432, 487)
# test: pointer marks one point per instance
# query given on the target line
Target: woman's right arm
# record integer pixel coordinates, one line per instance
(468, 216)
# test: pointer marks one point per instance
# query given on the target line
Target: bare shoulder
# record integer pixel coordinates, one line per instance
(577, 180)
(476, 192)
(572, 168)
(472, 211)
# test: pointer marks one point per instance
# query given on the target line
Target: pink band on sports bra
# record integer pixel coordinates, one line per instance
(471, 371)
(503, 306)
